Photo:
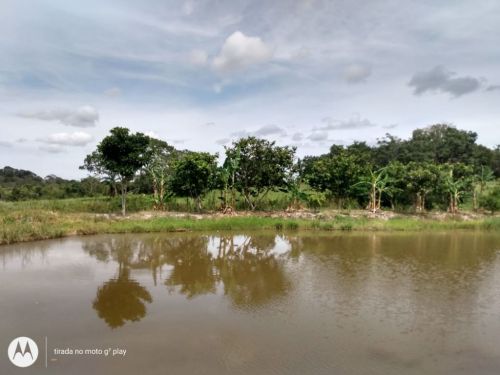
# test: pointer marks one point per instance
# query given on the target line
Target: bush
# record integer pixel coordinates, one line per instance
(316, 199)
(491, 201)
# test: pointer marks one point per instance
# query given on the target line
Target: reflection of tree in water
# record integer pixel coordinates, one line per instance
(250, 274)
(120, 249)
(119, 299)
(192, 266)
(24, 254)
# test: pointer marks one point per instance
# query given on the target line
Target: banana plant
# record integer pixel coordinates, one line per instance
(378, 182)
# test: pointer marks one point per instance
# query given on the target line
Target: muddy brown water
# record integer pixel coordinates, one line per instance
(255, 303)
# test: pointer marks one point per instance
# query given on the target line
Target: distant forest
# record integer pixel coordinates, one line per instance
(437, 167)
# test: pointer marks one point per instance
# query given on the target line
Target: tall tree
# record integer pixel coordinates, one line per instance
(442, 143)
(193, 175)
(422, 178)
(262, 166)
(159, 166)
(94, 164)
(337, 173)
(119, 155)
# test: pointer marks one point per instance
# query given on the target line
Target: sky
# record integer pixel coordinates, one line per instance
(200, 74)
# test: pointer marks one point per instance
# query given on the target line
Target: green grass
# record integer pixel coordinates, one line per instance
(102, 205)
(28, 224)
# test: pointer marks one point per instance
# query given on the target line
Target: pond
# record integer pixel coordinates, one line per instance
(255, 303)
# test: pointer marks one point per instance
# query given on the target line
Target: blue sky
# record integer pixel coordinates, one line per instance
(199, 74)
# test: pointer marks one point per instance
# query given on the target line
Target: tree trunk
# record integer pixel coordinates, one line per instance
(224, 196)
(249, 201)
(373, 202)
(418, 202)
(453, 203)
(233, 194)
(474, 200)
(155, 193)
(124, 198)
(114, 191)
(162, 192)
(198, 203)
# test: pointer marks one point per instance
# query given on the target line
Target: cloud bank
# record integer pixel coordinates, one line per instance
(440, 79)
(83, 117)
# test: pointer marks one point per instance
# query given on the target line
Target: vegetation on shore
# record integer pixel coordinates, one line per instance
(395, 184)
(439, 168)
(18, 224)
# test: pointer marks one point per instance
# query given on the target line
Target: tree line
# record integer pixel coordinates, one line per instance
(437, 168)
(19, 185)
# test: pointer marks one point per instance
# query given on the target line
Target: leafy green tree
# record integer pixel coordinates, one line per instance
(337, 174)
(193, 175)
(397, 174)
(159, 167)
(442, 143)
(262, 166)
(390, 148)
(422, 178)
(94, 164)
(361, 151)
(119, 155)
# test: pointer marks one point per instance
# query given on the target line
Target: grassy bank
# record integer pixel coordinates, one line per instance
(30, 224)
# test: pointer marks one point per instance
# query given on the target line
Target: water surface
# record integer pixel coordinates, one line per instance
(257, 303)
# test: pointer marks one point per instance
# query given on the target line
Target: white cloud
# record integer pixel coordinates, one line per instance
(269, 130)
(297, 137)
(5, 144)
(318, 136)
(439, 79)
(68, 139)
(356, 73)
(240, 51)
(355, 122)
(198, 57)
(263, 131)
(83, 117)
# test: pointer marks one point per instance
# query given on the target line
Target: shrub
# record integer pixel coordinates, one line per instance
(491, 201)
